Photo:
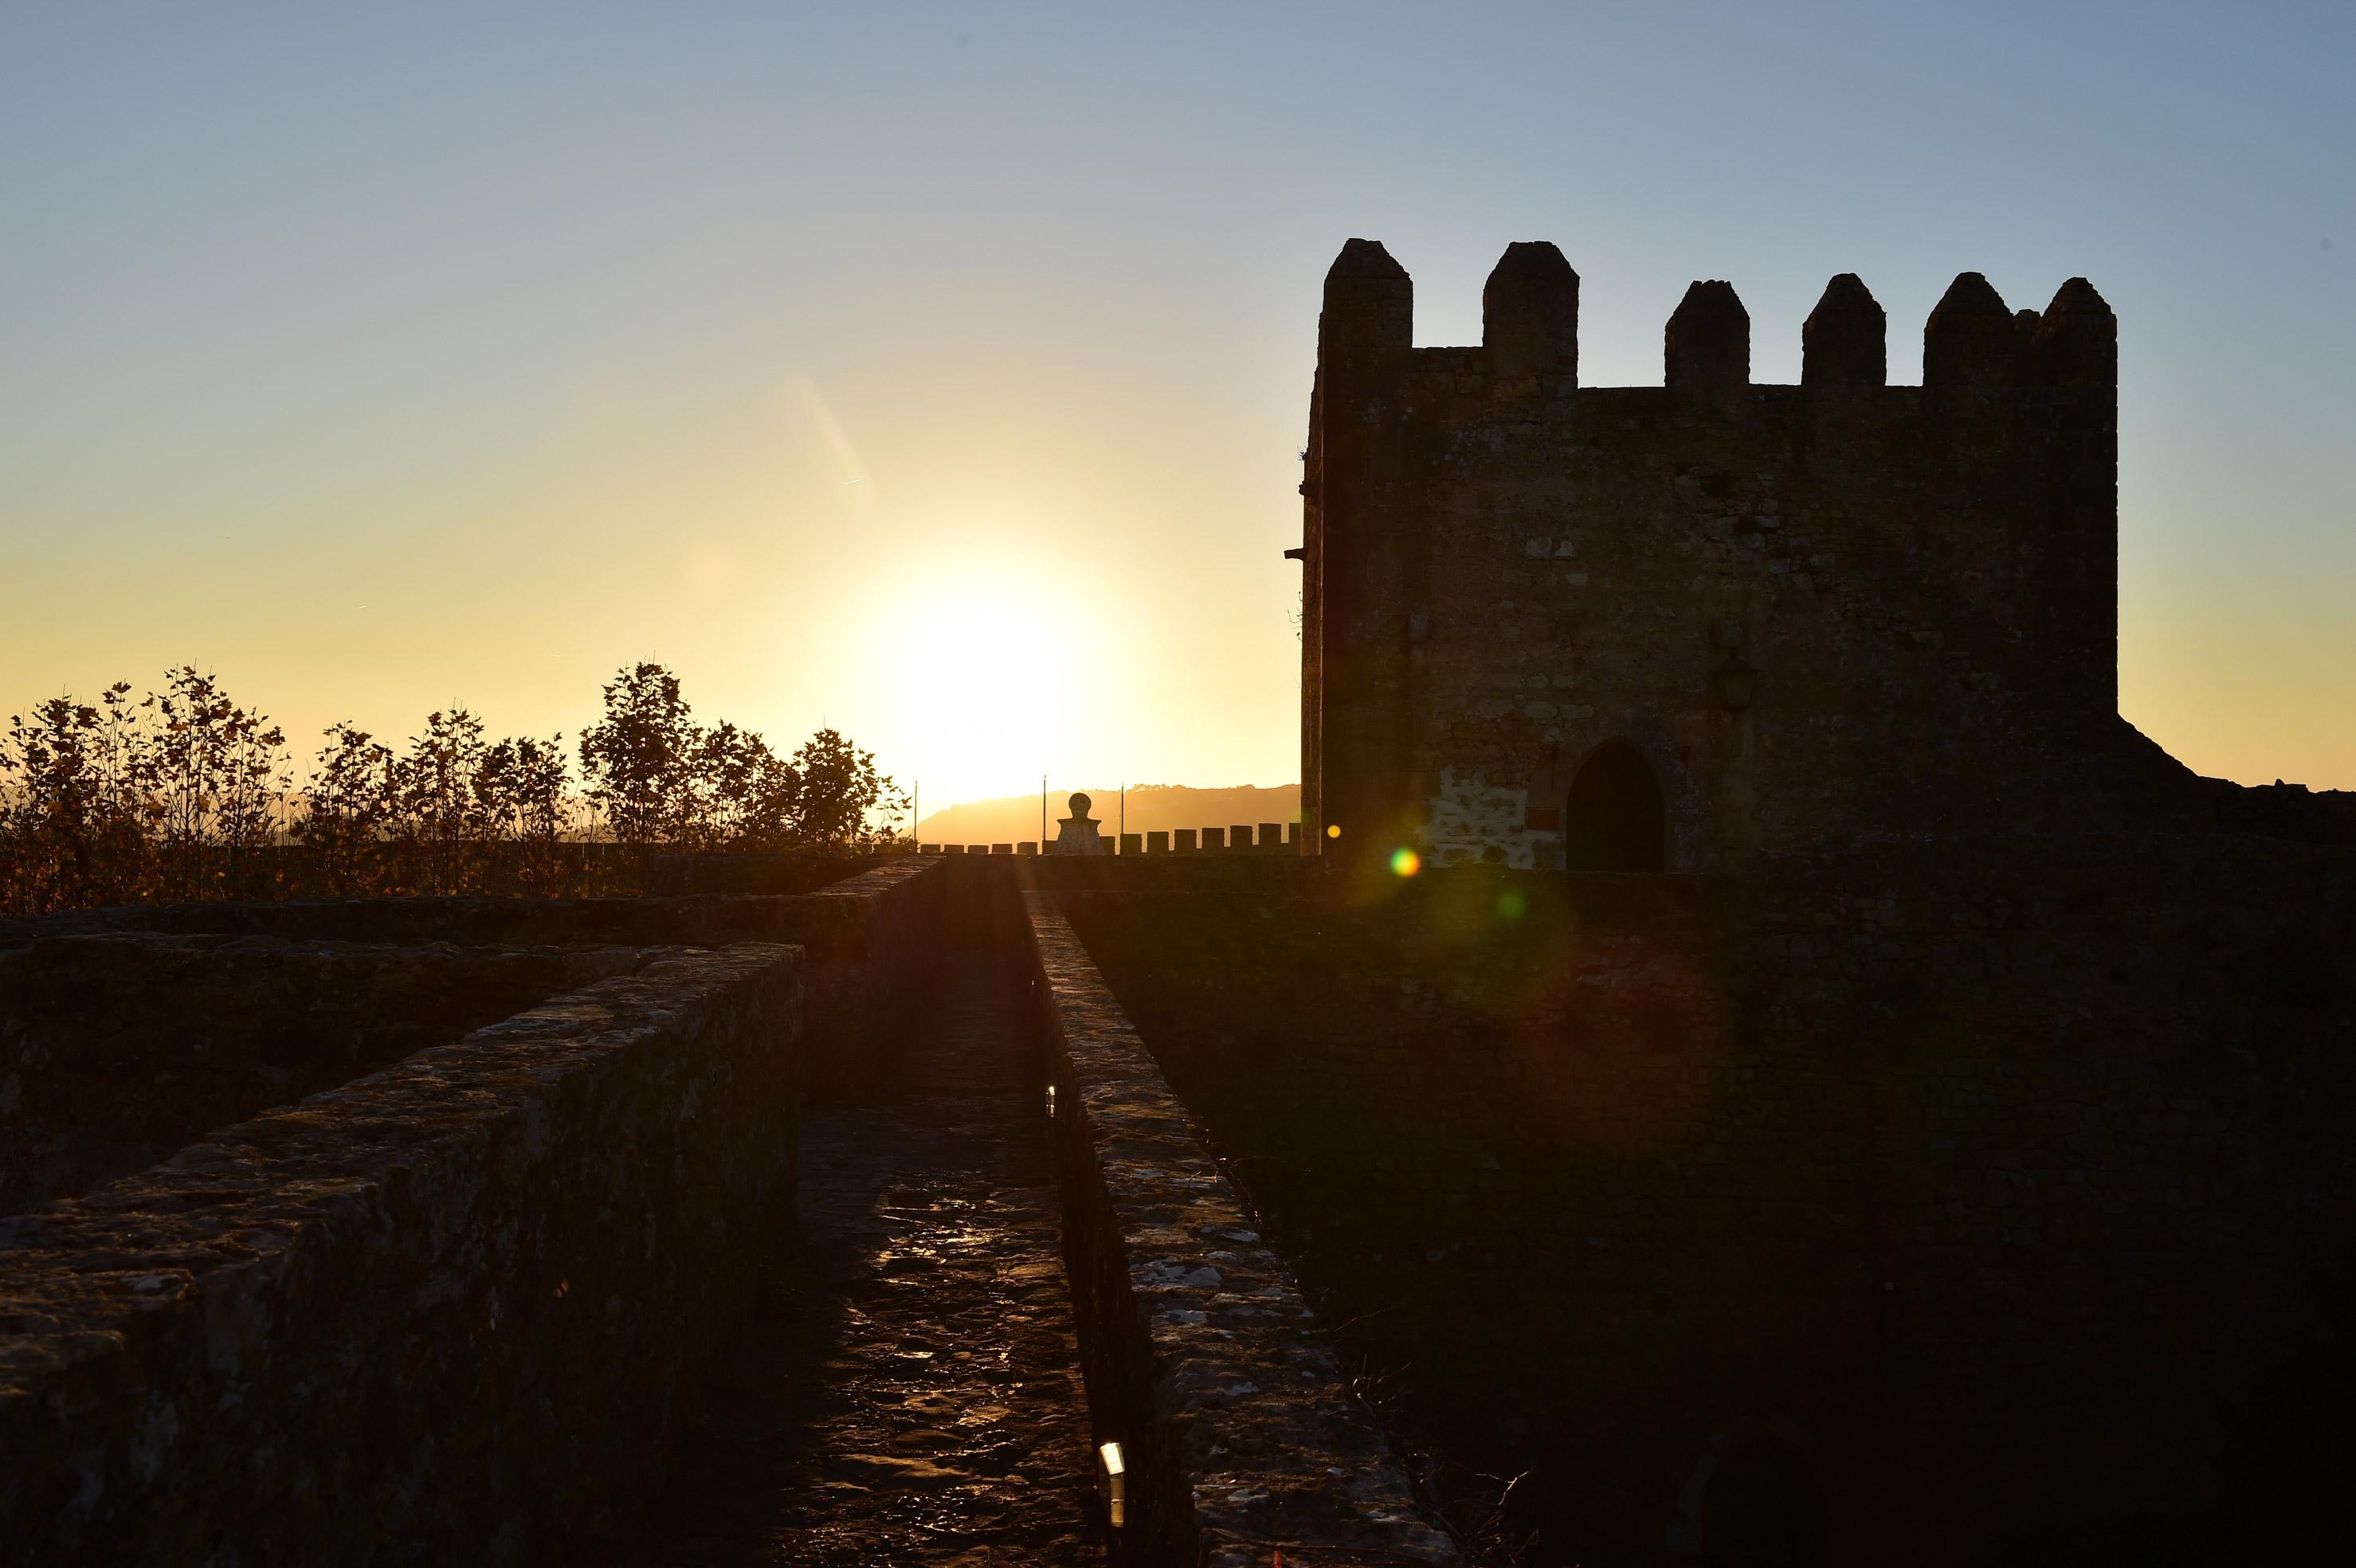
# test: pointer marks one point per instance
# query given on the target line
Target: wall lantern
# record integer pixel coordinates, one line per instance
(1733, 683)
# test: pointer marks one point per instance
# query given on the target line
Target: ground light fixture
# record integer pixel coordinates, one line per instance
(1112, 1483)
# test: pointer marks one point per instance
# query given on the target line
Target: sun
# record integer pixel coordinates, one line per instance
(989, 679)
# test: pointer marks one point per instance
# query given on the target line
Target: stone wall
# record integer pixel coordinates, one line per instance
(451, 1310)
(870, 941)
(116, 1049)
(443, 1313)
(754, 871)
(852, 932)
(1241, 1435)
(1989, 1177)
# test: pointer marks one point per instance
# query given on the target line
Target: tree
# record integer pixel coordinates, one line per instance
(745, 794)
(347, 807)
(770, 803)
(216, 774)
(521, 788)
(47, 811)
(838, 790)
(440, 818)
(636, 758)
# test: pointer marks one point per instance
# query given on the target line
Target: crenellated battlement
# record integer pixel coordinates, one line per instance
(1971, 340)
(1845, 342)
(1529, 313)
(1813, 612)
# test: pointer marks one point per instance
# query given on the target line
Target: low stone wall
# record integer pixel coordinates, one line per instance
(1221, 873)
(1241, 1434)
(861, 937)
(870, 942)
(445, 1313)
(742, 872)
(116, 1049)
(696, 920)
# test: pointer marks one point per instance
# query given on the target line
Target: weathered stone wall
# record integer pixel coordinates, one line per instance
(443, 1313)
(1988, 1176)
(1504, 569)
(117, 1050)
(870, 942)
(1241, 1435)
(751, 871)
(861, 937)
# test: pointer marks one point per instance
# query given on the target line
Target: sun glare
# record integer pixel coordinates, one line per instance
(988, 680)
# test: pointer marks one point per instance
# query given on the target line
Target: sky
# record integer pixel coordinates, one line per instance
(940, 372)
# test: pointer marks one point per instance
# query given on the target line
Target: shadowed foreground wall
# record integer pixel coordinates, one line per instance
(116, 1049)
(440, 1314)
(450, 1311)
(863, 939)
(1988, 1177)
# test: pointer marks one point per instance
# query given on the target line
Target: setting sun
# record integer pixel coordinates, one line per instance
(987, 681)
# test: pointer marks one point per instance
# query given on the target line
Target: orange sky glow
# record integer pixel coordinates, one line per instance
(941, 376)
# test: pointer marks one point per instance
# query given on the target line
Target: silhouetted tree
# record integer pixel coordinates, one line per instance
(744, 794)
(216, 773)
(52, 799)
(521, 788)
(838, 790)
(438, 818)
(346, 809)
(635, 761)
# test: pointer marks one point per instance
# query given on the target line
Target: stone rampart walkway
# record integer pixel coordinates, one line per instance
(918, 1397)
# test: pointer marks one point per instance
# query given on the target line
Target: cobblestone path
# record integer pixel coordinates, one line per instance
(916, 1398)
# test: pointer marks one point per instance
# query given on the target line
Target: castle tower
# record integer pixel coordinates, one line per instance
(1682, 625)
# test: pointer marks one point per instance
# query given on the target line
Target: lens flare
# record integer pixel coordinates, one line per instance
(1333, 830)
(1511, 905)
(1405, 862)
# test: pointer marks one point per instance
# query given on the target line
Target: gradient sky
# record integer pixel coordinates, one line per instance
(939, 372)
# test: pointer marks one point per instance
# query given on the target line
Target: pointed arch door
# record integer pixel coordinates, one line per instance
(1614, 819)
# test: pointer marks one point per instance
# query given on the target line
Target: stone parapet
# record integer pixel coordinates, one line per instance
(1241, 1435)
(861, 937)
(445, 1312)
(118, 1048)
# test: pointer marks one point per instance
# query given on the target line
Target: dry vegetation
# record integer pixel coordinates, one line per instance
(184, 794)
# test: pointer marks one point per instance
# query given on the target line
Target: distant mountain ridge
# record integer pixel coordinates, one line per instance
(1152, 809)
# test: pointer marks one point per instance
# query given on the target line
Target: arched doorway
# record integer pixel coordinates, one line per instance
(1766, 1508)
(1614, 820)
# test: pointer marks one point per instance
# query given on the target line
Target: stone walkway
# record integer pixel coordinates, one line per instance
(918, 1399)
